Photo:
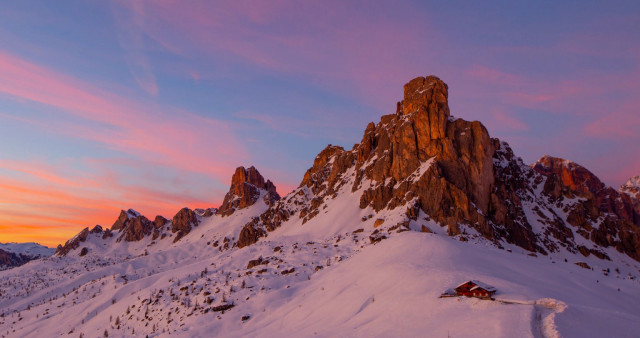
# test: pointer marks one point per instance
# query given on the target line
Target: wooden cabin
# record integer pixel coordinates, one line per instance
(474, 288)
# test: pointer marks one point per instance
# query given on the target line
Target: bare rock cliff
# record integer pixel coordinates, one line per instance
(246, 188)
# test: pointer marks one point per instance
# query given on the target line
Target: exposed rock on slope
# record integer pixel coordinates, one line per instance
(135, 229)
(246, 188)
(10, 259)
(600, 213)
(428, 169)
(431, 166)
(632, 188)
(73, 243)
(16, 254)
(182, 222)
(124, 218)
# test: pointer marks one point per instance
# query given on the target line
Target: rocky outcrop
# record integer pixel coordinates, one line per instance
(132, 226)
(183, 222)
(432, 166)
(15, 254)
(572, 176)
(247, 185)
(73, 243)
(602, 214)
(136, 229)
(423, 160)
(124, 217)
(12, 260)
(419, 159)
(573, 180)
(632, 189)
(159, 222)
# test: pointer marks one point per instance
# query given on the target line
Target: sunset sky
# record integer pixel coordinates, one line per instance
(152, 104)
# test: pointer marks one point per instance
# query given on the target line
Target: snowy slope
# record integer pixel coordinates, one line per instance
(326, 279)
(353, 252)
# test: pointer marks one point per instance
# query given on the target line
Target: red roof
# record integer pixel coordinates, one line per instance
(478, 284)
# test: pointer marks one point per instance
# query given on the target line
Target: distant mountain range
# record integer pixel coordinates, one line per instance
(363, 246)
(16, 254)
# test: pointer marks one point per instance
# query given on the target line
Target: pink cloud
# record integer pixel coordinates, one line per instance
(621, 124)
(129, 31)
(50, 198)
(174, 138)
(54, 197)
(282, 37)
(509, 121)
(495, 76)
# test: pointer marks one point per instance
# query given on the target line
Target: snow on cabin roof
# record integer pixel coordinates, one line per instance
(478, 284)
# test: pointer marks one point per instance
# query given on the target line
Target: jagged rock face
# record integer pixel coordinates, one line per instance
(433, 167)
(602, 214)
(124, 217)
(417, 158)
(182, 223)
(571, 179)
(159, 222)
(132, 225)
(10, 259)
(246, 187)
(572, 176)
(136, 228)
(73, 243)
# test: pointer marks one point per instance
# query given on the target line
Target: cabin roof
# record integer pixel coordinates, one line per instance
(478, 284)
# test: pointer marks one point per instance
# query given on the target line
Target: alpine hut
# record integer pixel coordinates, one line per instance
(474, 288)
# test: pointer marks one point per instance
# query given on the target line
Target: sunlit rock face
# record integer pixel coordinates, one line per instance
(246, 188)
(422, 161)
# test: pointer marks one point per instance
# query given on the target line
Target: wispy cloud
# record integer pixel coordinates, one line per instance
(171, 137)
(130, 32)
(158, 137)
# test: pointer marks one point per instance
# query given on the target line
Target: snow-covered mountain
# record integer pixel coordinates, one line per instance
(363, 247)
(16, 254)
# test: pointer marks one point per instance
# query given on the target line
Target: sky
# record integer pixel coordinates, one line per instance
(151, 105)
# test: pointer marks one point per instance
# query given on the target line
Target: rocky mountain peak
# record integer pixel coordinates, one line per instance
(247, 186)
(429, 167)
(427, 96)
(572, 175)
(73, 243)
(417, 160)
(124, 217)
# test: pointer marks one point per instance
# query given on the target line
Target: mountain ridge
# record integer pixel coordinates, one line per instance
(16, 254)
(371, 236)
